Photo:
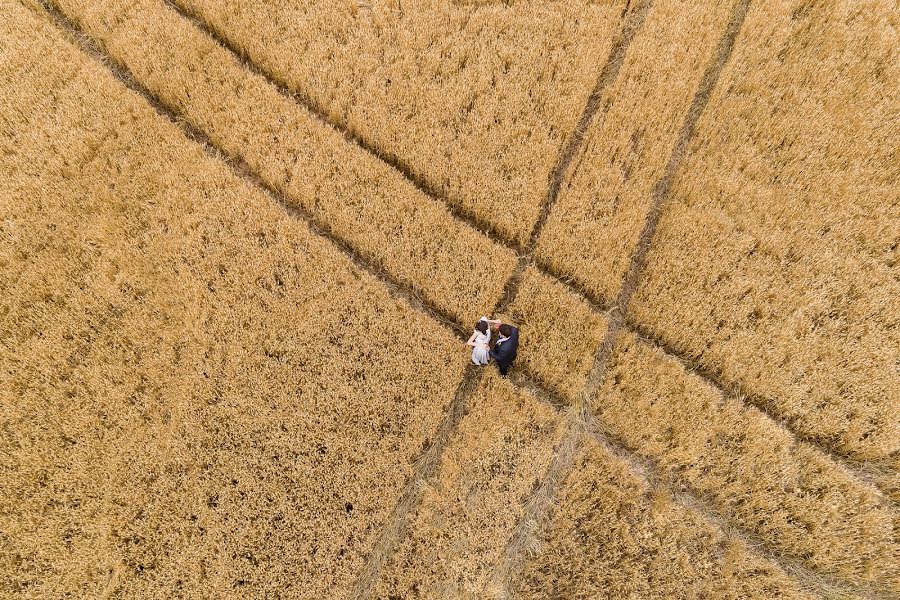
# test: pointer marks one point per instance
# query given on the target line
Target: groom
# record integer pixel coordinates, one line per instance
(504, 351)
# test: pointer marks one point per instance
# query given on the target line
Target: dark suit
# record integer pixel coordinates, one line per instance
(504, 353)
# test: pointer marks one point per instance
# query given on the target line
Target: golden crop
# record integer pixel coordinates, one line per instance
(563, 333)
(618, 536)
(752, 470)
(476, 101)
(362, 200)
(498, 453)
(596, 222)
(776, 264)
(240, 244)
(183, 362)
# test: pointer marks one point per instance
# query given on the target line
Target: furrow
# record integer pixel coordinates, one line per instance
(607, 76)
(240, 167)
(864, 472)
(693, 500)
(349, 134)
(632, 23)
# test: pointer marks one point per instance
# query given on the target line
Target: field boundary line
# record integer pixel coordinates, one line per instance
(240, 168)
(394, 531)
(595, 303)
(529, 531)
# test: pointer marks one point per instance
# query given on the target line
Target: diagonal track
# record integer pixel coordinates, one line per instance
(606, 77)
(691, 499)
(864, 472)
(582, 423)
(528, 533)
(632, 22)
(391, 534)
(317, 225)
(426, 464)
(581, 420)
(599, 305)
(352, 136)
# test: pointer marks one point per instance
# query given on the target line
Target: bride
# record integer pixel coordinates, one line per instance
(481, 341)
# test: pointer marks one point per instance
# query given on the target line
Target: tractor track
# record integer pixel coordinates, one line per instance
(391, 535)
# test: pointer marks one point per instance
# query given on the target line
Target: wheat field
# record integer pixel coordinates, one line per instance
(242, 245)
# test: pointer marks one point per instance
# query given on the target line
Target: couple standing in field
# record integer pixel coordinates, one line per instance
(504, 350)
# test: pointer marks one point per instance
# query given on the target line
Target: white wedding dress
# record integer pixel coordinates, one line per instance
(480, 353)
